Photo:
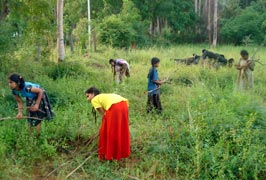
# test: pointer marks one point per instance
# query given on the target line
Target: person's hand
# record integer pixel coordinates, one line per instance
(35, 107)
(19, 115)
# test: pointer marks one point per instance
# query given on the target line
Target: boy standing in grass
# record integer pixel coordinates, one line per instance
(153, 87)
(245, 76)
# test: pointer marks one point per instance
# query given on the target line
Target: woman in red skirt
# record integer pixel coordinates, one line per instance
(114, 141)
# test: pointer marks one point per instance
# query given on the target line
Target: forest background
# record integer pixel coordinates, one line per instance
(207, 131)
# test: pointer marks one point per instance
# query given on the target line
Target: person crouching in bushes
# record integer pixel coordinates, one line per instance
(154, 87)
(38, 105)
(114, 141)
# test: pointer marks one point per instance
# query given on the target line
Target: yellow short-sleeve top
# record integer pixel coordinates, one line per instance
(105, 101)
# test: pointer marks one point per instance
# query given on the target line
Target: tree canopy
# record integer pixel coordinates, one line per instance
(123, 23)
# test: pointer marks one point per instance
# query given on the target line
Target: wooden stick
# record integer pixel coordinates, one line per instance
(147, 92)
(28, 107)
(129, 176)
(23, 117)
(73, 155)
(80, 165)
(65, 163)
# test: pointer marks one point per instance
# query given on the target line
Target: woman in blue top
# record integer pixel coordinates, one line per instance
(37, 102)
(153, 87)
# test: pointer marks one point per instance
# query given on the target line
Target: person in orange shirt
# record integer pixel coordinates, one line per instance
(114, 141)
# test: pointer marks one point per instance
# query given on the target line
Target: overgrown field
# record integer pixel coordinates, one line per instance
(207, 129)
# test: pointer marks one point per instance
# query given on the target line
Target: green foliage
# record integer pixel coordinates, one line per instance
(123, 29)
(66, 70)
(115, 32)
(7, 36)
(247, 24)
(81, 33)
(207, 130)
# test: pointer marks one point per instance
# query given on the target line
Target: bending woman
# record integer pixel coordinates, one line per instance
(114, 141)
(37, 102)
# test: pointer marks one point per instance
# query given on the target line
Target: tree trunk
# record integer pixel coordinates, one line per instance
(197, 11)
(151, 30)
(70, 38)
(199, 7)
(4, 10)
(196, 6)
(215, 23)
(158, 25)
(94, 41)
(209, 21)
(60, 35)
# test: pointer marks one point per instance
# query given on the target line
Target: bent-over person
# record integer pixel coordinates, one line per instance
(120, 68)
(114, 141)
(38, 105)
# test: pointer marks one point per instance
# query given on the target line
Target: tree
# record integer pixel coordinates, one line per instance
(60, 35)
(249, 23)
(209, 29)
(215, 23)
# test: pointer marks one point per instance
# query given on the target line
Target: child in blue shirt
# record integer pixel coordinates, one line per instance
(37, 101)
(154, 87)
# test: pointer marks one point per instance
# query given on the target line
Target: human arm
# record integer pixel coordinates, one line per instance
(158, 82)
(101, 111)
(20, 106)
(251, 65)
(38, 91)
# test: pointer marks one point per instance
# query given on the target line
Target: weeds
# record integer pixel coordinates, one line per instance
(207, 130)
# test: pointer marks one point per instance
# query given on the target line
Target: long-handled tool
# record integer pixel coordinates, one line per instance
(150, 91)
(23, 117)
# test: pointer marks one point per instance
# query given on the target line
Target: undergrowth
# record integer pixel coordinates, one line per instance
(208, 130)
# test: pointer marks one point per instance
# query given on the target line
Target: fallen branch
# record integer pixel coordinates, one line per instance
(73, 155)
(152, 170)
(80, 165)
(65, 163)
(23, 117)
(129, 176)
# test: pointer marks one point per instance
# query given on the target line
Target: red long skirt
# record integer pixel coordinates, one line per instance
(114, 141)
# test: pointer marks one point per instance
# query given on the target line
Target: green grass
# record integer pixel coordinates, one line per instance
(207, 130)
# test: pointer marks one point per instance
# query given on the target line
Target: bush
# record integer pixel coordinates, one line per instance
(115, 32)
(66, 69)
(247, 24)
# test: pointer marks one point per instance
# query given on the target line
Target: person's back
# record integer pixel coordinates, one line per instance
(120, 69)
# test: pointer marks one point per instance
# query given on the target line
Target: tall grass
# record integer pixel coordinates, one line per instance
(208, 130)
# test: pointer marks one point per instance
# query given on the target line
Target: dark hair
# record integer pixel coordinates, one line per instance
(17, 79)
(155, 60)
(92, 90)
(244, 52)
(95, 91)
(111, 60)
(203, 50)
